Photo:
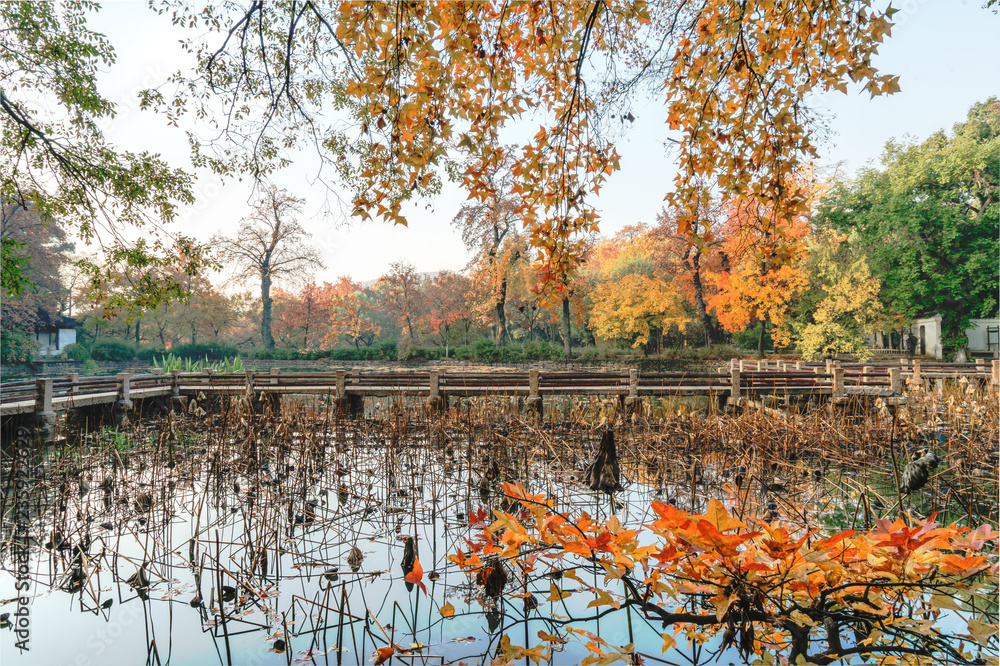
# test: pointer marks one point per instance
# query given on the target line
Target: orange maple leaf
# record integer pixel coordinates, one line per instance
(416, 576)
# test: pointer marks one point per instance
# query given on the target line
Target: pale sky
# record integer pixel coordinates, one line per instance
(946, 53)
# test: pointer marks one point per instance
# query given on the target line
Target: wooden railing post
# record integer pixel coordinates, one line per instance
(341, 383)
(274, 376)
(916, 373)
(838, 382)
(434, 377)
(73, 377)
(43, 396)
(633, 383)
(996, 373)
(125, 386)
(798, 365)
(175, 382)
(894, 381)
(734, 383)
(534, 400)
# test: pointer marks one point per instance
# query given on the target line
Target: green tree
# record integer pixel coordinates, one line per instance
(927, 221)
(56, 162)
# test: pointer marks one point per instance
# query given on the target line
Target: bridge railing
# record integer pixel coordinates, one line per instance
(738, 378)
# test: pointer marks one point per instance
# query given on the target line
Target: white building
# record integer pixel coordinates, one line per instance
(54, 333)
(984, 336)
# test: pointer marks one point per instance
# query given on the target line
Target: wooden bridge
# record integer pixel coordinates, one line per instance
(43, 398)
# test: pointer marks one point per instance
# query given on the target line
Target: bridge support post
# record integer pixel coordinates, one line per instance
(178, 402)
(348, 404)
(45, 413)
(995, 376)
(123, 405)
(838, 397)
(534, 400)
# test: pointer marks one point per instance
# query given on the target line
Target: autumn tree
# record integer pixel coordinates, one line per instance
(395, 94)
(56, 162)
(632, 308)
(693, 260)
(270, 244)
(841, 303)
(306, 314)
(351, 313)
(490, 230)
(446, 304)
(41, 251)
(765, 270)
(400, 293)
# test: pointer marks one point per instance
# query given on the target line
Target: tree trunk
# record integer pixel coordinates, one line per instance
(567, 343)
(136, 331)
(760, 340)
(501, 309)
(694, 265)
(265, 316)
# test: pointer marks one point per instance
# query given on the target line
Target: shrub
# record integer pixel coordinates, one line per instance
(511, 354)
(463, 353)
(112, 350)
(417, 353)
(17, 346)
(542, 351)
(77, 352)
(213, 350)
(149, 352)
(486, 351)
(89, 367)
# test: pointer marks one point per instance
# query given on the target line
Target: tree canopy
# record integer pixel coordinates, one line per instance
(927, 221)
(56, 162)
(395, 95)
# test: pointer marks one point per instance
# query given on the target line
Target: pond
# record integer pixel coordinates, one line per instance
(308, 524)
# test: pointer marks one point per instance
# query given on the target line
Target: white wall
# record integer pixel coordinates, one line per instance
(930, 328)
(67, 337)
(53, 344)
(977, 334)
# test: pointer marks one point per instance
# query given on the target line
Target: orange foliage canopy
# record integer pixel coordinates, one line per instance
(766, 256)
(426, 85)
(772, 589)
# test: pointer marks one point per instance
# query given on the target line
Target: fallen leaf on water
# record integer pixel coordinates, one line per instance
(416, 576)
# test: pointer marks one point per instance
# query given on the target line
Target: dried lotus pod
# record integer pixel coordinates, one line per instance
(604, 474)
(355, 558)
(916, 474)
(409, 556)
